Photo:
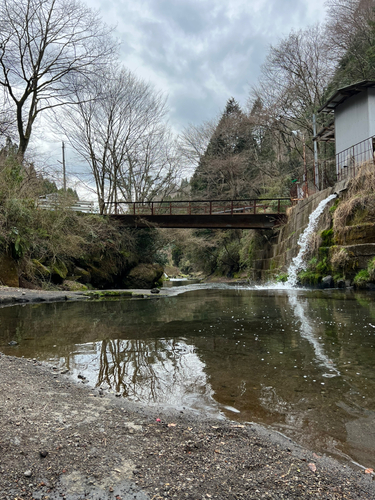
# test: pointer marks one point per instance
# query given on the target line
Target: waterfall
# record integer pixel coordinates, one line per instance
(298, 263)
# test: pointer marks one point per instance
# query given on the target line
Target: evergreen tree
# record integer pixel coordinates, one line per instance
(227, 167)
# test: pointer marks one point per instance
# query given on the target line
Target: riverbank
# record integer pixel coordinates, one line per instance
(13, 295)
(62, 439)
(17, 295)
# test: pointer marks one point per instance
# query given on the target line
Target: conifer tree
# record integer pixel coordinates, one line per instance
(227, 167)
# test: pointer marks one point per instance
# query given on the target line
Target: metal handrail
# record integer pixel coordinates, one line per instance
(201, 207)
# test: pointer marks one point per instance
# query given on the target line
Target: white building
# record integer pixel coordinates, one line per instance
(353, 128)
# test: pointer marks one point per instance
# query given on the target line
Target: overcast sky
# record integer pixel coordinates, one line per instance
(202, 52)
(198, 52)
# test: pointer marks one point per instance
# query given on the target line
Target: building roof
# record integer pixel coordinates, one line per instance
(343, 94)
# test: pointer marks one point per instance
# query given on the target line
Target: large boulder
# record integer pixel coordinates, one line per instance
(327, 282)
(8, 271)
(144, 276)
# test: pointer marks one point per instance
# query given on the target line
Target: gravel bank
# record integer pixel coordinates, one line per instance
(61, 439)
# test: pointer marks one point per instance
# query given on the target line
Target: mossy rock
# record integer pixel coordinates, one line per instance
(82, 275)
(100, 277)
(40, 270)
(359, 234)
(8, 271)
(59, 272)
(73, 286)
(144, 276)
(109, 294)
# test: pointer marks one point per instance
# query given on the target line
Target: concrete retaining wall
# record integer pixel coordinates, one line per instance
(283, 246)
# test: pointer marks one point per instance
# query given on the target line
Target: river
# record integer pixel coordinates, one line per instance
(300, 361)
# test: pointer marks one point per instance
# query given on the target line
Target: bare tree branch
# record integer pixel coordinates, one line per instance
(43, 44)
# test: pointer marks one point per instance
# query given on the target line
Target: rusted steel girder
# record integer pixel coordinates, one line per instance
(214, 221)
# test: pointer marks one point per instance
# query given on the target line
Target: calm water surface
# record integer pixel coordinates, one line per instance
(300, 361)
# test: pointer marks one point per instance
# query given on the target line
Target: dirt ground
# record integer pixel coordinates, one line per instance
(60, 439)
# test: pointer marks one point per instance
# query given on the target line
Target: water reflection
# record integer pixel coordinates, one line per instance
(161, 371)
(308, 332)
(301, 361)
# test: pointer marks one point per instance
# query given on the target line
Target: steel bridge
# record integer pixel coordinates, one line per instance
(255, 213)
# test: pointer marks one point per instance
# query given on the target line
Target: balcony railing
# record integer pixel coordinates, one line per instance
(349, 160)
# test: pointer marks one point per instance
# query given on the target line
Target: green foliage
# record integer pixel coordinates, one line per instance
(334, 206)
(177, 254)
(317, 268)
(323, 266)
(228, 259)
(251, 241)
(327, 237)
(282, 278)
(310, 277)
(362, 278)
(371, 269)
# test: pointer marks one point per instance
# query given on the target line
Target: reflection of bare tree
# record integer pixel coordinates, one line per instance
(148, 371)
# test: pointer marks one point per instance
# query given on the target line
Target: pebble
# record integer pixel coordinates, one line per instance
(28, 473)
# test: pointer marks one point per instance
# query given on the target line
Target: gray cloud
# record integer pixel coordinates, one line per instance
(201, 52)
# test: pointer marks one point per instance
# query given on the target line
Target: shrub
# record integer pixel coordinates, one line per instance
(362, 278)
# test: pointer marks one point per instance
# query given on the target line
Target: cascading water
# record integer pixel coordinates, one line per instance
(298, 263)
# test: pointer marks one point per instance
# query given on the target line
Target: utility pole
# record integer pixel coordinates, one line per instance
(316, 164)
(63, 165)
(305, 166)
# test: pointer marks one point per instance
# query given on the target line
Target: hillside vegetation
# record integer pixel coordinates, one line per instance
(60, 247)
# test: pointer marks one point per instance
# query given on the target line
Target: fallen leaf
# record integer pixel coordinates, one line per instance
(369, 471)
(312, 467)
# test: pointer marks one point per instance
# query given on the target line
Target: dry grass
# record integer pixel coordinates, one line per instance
(358, 205)
(339, 258)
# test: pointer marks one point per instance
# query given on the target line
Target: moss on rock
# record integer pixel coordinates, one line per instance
(8, 271)
(144, 276)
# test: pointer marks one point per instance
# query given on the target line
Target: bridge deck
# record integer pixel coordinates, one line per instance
(226, 214)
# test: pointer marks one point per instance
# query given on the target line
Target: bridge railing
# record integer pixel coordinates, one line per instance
(202, 207)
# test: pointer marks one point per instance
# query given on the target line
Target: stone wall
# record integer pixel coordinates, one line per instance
(283, 245)
(275, 257)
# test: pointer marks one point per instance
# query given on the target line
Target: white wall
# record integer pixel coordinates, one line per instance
(371, 111)
(352, 124)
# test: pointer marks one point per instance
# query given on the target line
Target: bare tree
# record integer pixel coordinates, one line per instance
(294, 78)
(351, 37)
(118, 129)
(43, 44)
(193, 142)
